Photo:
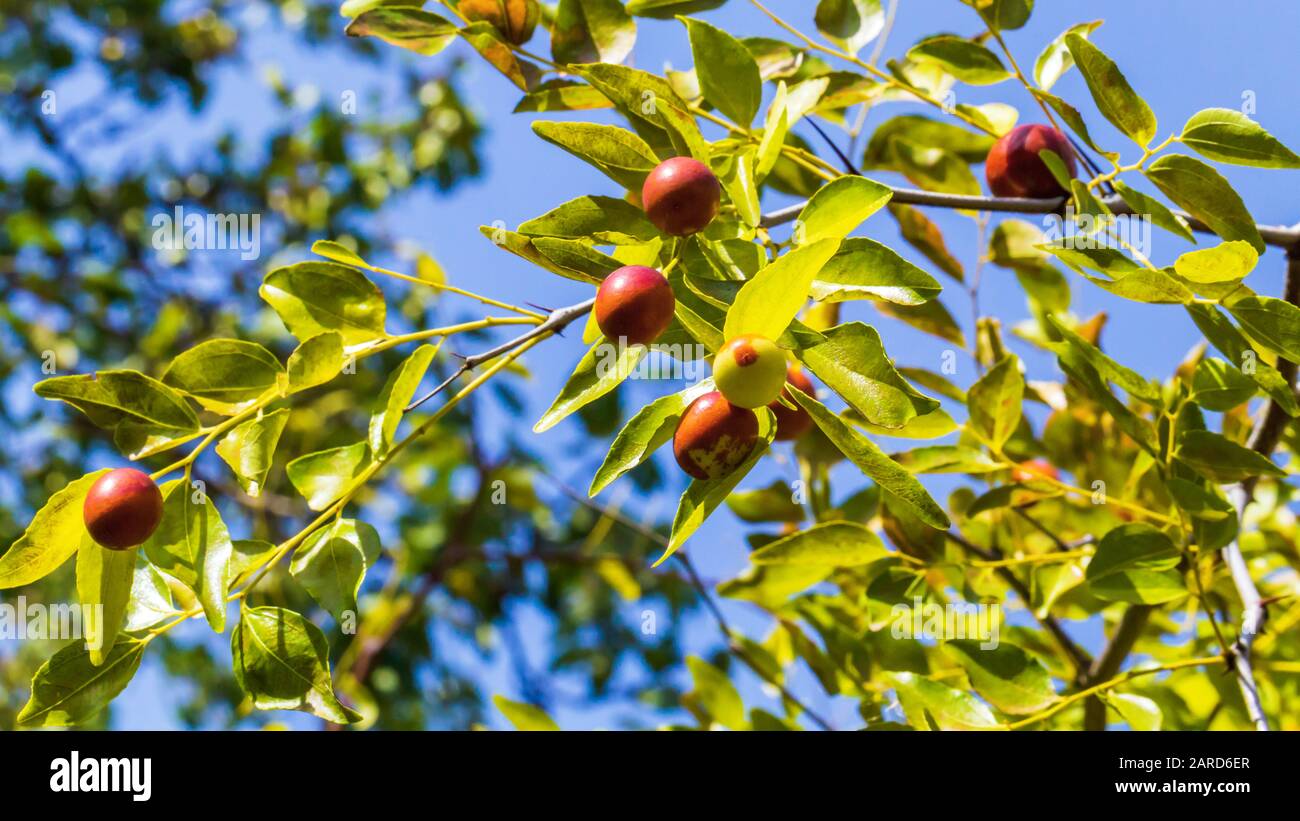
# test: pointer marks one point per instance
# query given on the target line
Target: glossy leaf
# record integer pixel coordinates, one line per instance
(323, 476)
(767, 303)
(282, 661)
(602, 369)
(224, 372)
(1205, 194)
(192, 545)
(104, 582)
(1005, 675)
(838, 208)
(52, 537)
(1136, 563)
(398, 392)
(315, 297)
(837, 544)
(332, 564)
(994, 402)
(68, 689)
(1115, 98)
(1227, 135)
(249, 449)
(727, 72)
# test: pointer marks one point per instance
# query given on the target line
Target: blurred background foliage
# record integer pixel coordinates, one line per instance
(85, 289)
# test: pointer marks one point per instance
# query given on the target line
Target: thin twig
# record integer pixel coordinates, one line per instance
(555, 322)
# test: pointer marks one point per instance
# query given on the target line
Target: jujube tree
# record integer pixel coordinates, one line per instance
(1124, 504)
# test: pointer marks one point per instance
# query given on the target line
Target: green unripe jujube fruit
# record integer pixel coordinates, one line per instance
(750, 371)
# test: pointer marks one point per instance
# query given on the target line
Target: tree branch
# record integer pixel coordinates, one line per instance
(1263, 438)
(1280, 236)
(556, 321)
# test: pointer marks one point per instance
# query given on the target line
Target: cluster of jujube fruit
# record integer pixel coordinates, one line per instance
(719, 430)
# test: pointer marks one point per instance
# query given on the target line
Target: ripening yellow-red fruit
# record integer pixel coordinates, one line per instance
(714, 437)
(636, 303)
(122, 509)
(791, 424)
(1014, 168)
(681, 196)
(750, 371)
(515, 19)
(1034, 470)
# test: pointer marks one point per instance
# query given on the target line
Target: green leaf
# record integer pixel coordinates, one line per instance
(54, 534)
(332, 564)
(1108, 261)
(716, 694)
(590, 31)
(927, 704)
(1074, 120)
(774, 503)
(222, 373)
(1222, 334)
(1056, 59)
(929, 317)
(850, 24)
(924, 235)
(838, 208)
(866, 269)
(68, 689)
(501, 55)
(1131, 381)
(1136, 563)
(619, 153)
(887, 473)
(316, 361)
(1115, 98)
(338, 252)
(249, 449)
(396, 395)
(1218, 386)
(770, 586)
(192, 545)
(575, 259)
(525, 717)
(969, 146)
(323, 476)
(1146, 285)
(602, 369)
(1273, 322)
(653, 108)
(1222, 460)
(702, 496)
(837, 544)
(768, 302)
(1139, 712)
(248, 557)
(409, 27)
(1214, 519)
(935, 169)
(994, 403)
(282, 661)
(602, 219)
(1005, 675)
(727, 72)
(1160, 214)
(1003, 15)
(123, 399)
(104, 581)
(562, 95)
(649, 429)
(776, 126)
(964, 59)
(1203, 192)
(150, 598)
(1227, 135)
(853, 363)
(314, 297)
(667, 9)
(1227, 262)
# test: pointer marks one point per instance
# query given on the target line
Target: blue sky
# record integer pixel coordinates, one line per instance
(1179, 57)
